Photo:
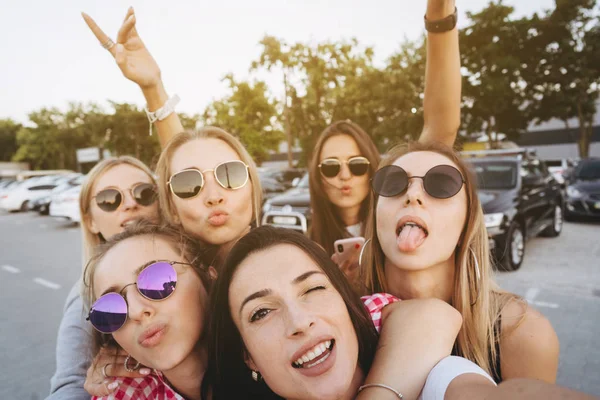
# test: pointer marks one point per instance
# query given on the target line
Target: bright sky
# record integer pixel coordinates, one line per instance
(49, 57)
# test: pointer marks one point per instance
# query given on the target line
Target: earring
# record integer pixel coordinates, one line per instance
(256, 376)
(362, 251)
(477, 275)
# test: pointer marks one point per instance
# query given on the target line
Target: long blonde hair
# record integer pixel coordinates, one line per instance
(91, 239)
(475, 295)
(163, 169)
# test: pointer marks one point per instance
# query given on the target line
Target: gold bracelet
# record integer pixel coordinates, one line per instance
(381, 385)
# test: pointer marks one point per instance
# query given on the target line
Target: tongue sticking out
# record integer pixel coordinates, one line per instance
(410, 238)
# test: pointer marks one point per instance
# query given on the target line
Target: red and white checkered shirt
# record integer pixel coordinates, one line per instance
(375, 304)
(151, 387)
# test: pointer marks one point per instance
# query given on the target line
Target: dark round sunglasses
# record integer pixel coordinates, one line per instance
(440, 182)
(331, 167)
(110, 199)
(156, 281)
(189, 182)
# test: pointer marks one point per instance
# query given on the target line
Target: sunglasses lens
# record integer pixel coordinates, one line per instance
(186, 184)
(109, 199)
(390, 181)
(358, 166)
(144, 194)
(108, 313)
(232, 174)
(157, 281)
(443, 181)
(330, 168)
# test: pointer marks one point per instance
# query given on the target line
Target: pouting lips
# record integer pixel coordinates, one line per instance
(410, 224)
(315, 356)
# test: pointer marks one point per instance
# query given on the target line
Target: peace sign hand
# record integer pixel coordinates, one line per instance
(130, 53)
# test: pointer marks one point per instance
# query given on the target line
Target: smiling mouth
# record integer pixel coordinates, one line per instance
(315, 356)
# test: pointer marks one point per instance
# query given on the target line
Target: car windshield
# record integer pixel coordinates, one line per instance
(493, 175)
(588, 170)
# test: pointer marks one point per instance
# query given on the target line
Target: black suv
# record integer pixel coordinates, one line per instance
(583, 192)
(290, 209)
(520, 200)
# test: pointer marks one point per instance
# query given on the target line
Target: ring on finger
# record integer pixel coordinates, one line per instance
(131, 369)
(104, 371)
(108, 44)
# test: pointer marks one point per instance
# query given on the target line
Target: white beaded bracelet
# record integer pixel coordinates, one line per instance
(163, 112)
(381, 385)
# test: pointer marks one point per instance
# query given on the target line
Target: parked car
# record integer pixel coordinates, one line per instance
(19, 197)
(520, 199)
(42, 204)
(277, 180)
(290, 209)
(583, 192)
(66, 204)
(560, 169)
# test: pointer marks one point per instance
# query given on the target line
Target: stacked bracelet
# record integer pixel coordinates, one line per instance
(167, 109)
(381, 385)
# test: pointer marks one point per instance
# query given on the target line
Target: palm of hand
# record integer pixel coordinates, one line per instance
(136, 62)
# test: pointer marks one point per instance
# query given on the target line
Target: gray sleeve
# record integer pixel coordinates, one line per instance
(73, 351)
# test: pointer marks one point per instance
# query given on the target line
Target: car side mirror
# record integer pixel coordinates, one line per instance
(295, 182)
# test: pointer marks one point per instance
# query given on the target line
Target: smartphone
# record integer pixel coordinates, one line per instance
(346, 248)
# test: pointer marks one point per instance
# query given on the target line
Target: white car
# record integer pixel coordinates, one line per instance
(18, 198)
(66, 204)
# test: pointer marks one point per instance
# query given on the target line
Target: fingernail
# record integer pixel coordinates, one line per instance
(113, 386)
(145, 371)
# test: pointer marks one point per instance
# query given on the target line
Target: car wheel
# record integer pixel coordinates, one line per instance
(513, 251)
(25, 205)
(557, 223)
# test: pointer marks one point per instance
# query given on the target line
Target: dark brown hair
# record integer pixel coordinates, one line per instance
(327, 225)
(227, 373)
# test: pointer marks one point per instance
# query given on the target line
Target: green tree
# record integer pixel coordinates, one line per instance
(8, 138)
(493, 47)
(249, 114)
(565, 73)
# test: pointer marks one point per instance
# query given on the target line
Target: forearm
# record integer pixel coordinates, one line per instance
(416, 335)
(441, 103)
(156, 97)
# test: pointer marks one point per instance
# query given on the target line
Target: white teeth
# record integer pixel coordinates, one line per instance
(314, 353)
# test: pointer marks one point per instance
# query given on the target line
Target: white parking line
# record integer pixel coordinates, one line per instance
(47, 284)
(532, 293)
(11, 269)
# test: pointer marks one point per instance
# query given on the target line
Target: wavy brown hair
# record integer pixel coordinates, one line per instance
(327, 225)
(479, 301)
(227, 374)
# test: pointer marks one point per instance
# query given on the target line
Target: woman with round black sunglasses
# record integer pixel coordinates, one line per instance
(116, 193)
(429, 240)
(339, 201)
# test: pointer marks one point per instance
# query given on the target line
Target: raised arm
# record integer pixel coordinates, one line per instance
(415, 336)
(442, 79)
(137, 64)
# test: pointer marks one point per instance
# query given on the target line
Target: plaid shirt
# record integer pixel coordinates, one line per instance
(151, 387)
(375, 304)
